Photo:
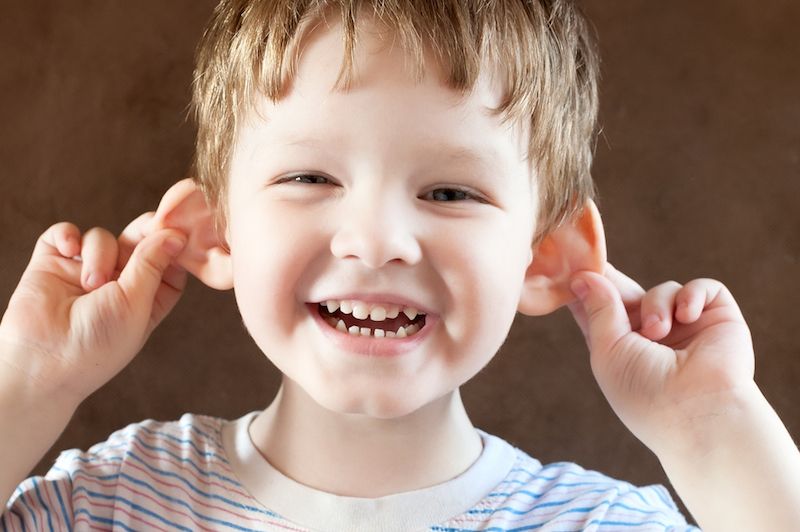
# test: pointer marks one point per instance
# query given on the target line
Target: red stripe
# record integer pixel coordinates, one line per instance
(166, 510)
(169, 511)
(176, 465)
(118, 509)
(154, 440)
(197, 502)
(84, 519)
(34, 505)
(44, 487)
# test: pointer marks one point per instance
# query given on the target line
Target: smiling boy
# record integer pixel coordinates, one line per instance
(380, 226)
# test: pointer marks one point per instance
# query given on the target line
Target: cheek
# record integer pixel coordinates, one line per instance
(269, 255)
(484, 276)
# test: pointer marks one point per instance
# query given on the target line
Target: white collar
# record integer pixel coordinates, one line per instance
(319, 510)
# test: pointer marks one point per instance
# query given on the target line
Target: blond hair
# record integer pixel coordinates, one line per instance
(544, 50)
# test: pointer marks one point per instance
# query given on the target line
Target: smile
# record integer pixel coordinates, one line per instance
(358, 318)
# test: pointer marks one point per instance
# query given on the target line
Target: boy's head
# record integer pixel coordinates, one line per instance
(404, 190)
(541, 52)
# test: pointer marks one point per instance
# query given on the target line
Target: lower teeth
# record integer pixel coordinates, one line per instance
(355, 330)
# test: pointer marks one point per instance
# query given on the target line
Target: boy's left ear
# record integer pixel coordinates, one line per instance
(578, 244)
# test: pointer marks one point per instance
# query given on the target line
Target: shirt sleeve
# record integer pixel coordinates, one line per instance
(43, 503)
(646, 508)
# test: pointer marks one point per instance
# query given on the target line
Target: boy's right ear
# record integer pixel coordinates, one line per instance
(206, 256)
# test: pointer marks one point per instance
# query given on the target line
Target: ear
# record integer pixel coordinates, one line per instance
(579, 244)
(184, 207)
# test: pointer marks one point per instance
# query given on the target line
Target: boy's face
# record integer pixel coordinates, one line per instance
(384, 222)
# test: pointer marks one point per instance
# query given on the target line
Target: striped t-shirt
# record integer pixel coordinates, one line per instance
(204, 473)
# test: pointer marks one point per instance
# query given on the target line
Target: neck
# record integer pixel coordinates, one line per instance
(359, 456)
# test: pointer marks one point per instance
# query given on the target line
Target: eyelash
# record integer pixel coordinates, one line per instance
(464, 194)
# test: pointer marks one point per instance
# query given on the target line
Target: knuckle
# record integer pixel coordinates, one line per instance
(671, 285)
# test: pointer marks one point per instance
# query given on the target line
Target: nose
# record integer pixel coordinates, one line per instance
(376, 233)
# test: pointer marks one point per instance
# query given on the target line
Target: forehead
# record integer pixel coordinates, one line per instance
(384, 99)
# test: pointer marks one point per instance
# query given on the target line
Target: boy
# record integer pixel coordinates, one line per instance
(402, 211)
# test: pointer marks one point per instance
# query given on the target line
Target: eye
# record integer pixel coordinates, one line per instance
(450, 194)
(306, 179)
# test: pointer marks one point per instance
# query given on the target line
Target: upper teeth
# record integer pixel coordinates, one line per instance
(376, 312)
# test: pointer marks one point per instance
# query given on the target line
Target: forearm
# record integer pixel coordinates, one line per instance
(741, 471)
(29, 425)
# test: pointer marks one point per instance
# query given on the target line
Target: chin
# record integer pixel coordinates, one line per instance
(378, 405)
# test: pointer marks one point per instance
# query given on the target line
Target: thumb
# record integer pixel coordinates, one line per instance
(606, 318)
(141, 277)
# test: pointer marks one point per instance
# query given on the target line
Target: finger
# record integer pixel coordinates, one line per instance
(658, 307)
(167, 295)
(630, 291)
(141, 278)
(61, 239)
(698, 295)
(607, 320)
(133, 233)
(99, 254)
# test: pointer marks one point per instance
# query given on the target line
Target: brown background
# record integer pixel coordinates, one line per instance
(697, 168)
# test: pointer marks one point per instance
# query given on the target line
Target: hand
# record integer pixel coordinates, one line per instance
(667, 359)
(84, 307)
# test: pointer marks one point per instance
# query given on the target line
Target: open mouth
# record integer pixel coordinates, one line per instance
(379, 322)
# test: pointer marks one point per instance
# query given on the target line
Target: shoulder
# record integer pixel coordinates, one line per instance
(139, 475)
(564, 496)
(192, 438)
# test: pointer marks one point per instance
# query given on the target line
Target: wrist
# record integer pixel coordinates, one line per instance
(736, 468)
(21, 387)
(711, 424)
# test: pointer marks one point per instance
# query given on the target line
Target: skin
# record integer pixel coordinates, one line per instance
(372, 227)
(682, 382)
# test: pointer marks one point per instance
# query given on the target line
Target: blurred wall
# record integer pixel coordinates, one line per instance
(697, 168)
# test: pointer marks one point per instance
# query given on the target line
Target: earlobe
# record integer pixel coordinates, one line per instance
(184, 207)
(576, 245)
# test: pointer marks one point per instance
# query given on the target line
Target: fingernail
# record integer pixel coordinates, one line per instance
(95, 280)
(579, 288)
(650, 320)
(173, 245)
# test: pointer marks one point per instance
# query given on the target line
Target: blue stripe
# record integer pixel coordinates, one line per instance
(553, 486)
(104, 520)
(21, 520)
(209, 496)
(137, 507)
(133, 506)
(186, 460)
(187, 483)
(663, 494)
(115, 478)
(632, 509)
(625, 523)
(209, 474)
(67, 520)
(185, 442)
(140, 460)
(535, 507)
(30, 511)
(565, 468)
(43, 505)
(534, 526)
